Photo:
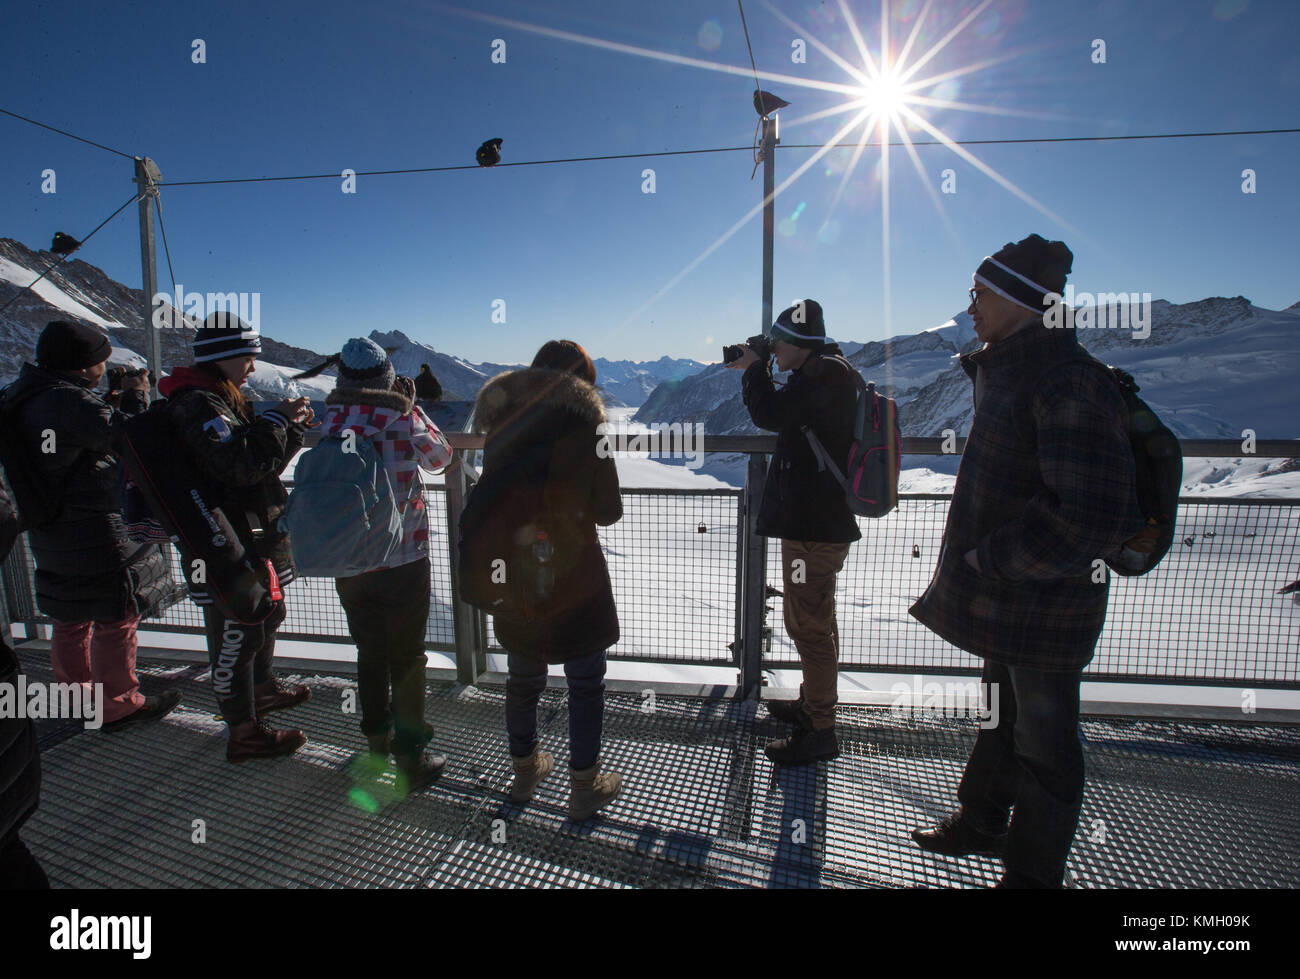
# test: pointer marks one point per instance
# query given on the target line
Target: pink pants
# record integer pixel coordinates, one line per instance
(100, 652)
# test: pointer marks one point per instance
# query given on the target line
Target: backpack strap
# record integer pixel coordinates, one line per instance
(824, 460)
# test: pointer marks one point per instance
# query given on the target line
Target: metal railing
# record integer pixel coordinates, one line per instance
(690, 579)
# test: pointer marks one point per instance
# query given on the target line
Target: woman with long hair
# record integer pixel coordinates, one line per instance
(240, 456)
(540, 428)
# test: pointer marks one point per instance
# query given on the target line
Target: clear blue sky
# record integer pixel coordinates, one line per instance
(577, 249)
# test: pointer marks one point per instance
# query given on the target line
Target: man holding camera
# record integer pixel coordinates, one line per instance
(91, 579)
(805, 507)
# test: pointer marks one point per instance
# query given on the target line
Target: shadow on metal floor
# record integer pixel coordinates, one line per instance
(1168, 804)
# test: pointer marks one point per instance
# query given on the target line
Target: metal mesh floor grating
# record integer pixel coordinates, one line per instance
(1168, 804)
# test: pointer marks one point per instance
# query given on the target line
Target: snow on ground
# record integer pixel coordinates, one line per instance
(52, 294)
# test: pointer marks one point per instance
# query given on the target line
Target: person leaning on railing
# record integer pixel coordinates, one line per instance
(540, 427)
(805, 507)
(388, 606)
(1047, 486)
(242, 455)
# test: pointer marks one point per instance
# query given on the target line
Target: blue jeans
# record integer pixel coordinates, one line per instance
(524, 687)
(1032, 763)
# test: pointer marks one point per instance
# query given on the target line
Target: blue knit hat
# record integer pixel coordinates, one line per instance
(364, 364)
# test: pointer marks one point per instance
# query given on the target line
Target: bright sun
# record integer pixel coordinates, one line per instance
(885, 95)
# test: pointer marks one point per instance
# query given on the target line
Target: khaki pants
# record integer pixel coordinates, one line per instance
(808, 570)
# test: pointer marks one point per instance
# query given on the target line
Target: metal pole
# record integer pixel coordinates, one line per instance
(770, 139)
(754, 590)
(147, 177)
(470, 659)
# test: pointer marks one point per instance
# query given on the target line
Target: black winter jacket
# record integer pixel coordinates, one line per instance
(243, 457)
(799, 502)
(541, 424)
(87, 568)
(20, 767)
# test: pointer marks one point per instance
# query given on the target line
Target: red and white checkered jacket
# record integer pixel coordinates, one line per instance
(406, 444)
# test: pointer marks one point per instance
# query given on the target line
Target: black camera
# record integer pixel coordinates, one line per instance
(760, 344)
(117, 374)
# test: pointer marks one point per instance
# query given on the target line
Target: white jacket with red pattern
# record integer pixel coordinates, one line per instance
(406, 441)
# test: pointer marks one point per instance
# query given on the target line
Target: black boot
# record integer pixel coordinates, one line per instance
(805, 746)
(955, 837)
(790, 711)
(153, 709)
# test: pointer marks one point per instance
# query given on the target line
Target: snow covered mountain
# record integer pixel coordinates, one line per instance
(631, 382)
(79, 291)
(76, 290)
(1210, 369)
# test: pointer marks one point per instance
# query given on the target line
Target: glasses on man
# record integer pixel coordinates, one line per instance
(974, 297)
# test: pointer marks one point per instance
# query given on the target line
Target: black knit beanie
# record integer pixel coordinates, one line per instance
(1025, 271)
(801, 325)
(224, 335)
(64, 346)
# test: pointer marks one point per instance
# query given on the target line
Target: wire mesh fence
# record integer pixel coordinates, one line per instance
(1208, 614)
(672, 564)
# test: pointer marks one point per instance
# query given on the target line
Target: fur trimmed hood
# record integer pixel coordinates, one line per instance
(513, 396)
(395, 400)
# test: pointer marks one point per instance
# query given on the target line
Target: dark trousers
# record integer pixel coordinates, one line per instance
(240, 656)
(1028, 768)
(19, 870)
(387, 614)
(524, 686)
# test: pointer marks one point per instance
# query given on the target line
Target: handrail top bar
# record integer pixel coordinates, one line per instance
(912, 445)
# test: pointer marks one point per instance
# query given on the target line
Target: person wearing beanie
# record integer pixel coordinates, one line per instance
(388, 606)
(1046, 489)
(242, 456)
(93, 582)
(804, 506)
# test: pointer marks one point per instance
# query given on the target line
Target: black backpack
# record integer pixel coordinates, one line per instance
(515, 556)
(39, 503)
(870, 480)
(1158, 459)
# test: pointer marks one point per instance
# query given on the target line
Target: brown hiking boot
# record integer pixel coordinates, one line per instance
(274, 695)
(257, 739)
(529, 773)
(591, 791)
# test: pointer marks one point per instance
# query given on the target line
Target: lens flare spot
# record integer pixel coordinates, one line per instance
(829, 233)
(710, 35)
(1228, 9)
(988, 25)
(947, 90)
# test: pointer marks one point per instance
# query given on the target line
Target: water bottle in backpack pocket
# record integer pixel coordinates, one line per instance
(342, 516)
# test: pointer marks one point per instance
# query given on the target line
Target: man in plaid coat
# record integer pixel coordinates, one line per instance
(1045, 491)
